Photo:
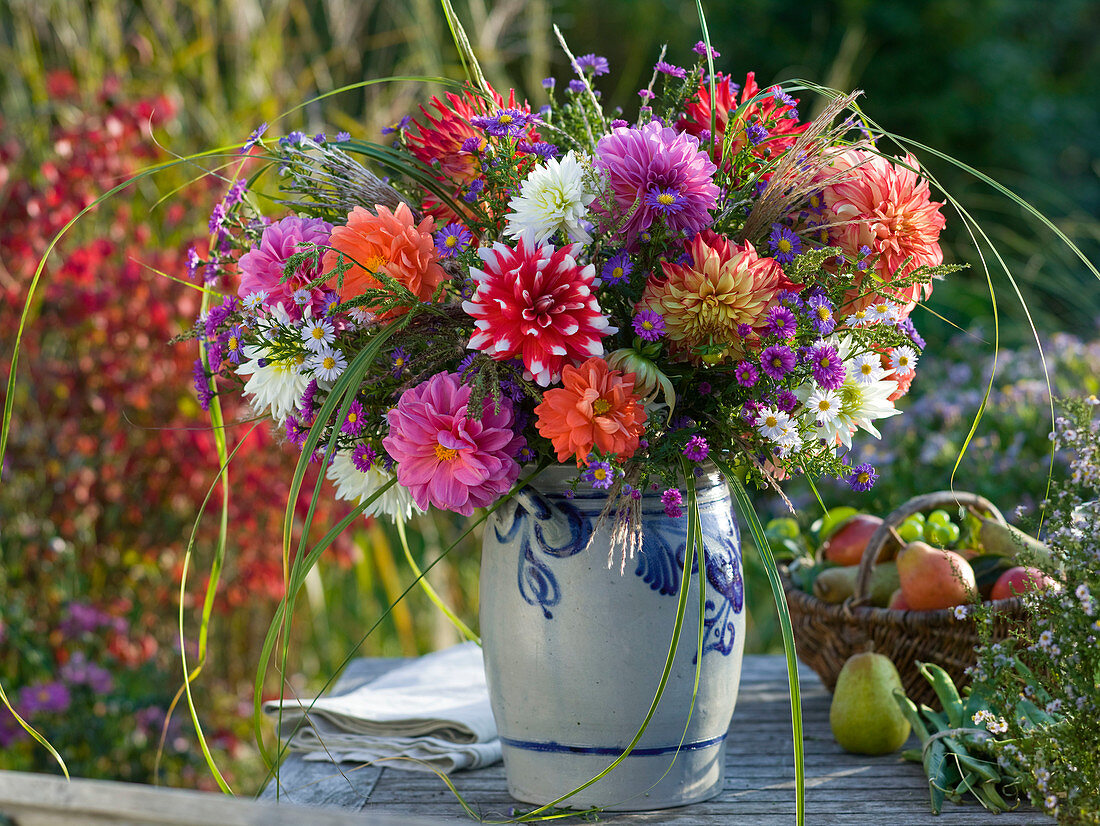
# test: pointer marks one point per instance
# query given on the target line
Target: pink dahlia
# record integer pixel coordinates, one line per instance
(446, 458)
(775, 112)
(889, 209)
(536, 302)
(717, 300)
(646, 167)
(262, 267)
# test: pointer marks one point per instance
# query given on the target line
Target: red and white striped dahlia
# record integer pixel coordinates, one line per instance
(536, 302)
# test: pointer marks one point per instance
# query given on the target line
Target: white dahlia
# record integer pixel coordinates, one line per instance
(354, 485)
(554, 197)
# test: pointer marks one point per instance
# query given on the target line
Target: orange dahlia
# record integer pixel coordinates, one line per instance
(391, 242)
(595, 408)
(773, 108)
(715, 300)
(888, 209)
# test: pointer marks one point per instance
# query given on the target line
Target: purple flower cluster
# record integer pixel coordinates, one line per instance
(673, 501)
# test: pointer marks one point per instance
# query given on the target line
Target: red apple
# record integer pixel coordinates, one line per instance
(1018, 580)
(846, 545)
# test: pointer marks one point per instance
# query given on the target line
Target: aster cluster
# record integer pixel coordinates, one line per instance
(559, 284)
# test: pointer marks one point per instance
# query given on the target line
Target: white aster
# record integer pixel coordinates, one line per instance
(772, 423)
(318, 334)
(355, 485)
(327, 365)
(360, 315)
(255, 300)
(903, 361)
(554, 197)
(823, 405)
(274, 388)
(884, 312)
(866, 368)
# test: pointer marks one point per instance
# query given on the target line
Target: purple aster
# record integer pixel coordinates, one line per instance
(576, 86)
(545, 150)
(400, 360)
(452, 239)
(504, 123)
(827, 366)
(617, 269)
(356, 419)
(645, 94)
(202, 385)
(704, 388)
(780, 323)
(305, 406)
(697, 449)
(756, 133)
(254, 138)
(48, 697)
(296, 432)
(215, 352)
(700, 48)
(549, 83)
(343, 137)
(363, 457)
(615, 124)
(471, 144)
(595, 63)
(744, 330)
(637, 161)
(649, 325)
(785, 244)
(217, 219)
(524, 454)
(672, 500)
(862, 478)
(600, 475)
(777, 361)
(473, 190)
(786, 401)
(664, 201)
(329, 302)
(399, 126)
(292, 139)
(193, 262)
(820, 309)
(234, 343)
(746, 373)
(668, 69)
(235, 193)
(906, 328)
(782, 98)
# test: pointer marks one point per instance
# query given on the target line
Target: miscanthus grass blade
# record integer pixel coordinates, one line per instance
(429, 591)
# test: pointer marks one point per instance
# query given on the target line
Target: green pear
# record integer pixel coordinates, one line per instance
(864, 716)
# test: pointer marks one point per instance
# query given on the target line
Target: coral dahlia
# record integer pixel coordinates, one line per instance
(445, 457)
(262, 267)
(888, 209)
(777, 111)
(391, 242)
(536, 302)
(656, 160)
(596, 407)
(704, 300)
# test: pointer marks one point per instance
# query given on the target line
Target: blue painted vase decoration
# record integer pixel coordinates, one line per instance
(574, 647)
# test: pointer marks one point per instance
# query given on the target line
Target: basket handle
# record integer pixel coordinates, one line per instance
(884, 534)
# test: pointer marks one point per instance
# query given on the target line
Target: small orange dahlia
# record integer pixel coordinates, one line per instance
(391, 242)
(717, 299)
(595, 408)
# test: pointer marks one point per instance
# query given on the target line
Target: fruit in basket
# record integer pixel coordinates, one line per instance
(1006, 540)
(897, 601)
(932, 578)
(912, 528)
(1019, 580)
(987, 570)
(864, 716)
(834, 585)
(845, 546)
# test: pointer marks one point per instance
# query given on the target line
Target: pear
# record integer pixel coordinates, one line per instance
(834, 585)
(864, 716)
(932, 578)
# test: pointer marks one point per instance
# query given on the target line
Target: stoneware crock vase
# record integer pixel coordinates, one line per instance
(574, 649)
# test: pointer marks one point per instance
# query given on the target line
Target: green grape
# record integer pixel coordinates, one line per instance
(939, 517)
(943, 535)
(916, 517)
(782, 528)
(911, 530)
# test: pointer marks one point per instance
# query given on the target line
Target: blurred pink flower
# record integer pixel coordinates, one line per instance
(889, 209)
(445, 458)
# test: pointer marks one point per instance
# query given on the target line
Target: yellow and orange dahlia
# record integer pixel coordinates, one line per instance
(717, 299)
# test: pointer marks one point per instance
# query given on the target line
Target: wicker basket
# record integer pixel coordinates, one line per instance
(826, 635)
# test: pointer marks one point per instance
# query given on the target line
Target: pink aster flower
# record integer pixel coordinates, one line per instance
(656, 158)
(446, 458)
(536, 302)
(887, 209)
(262, 267)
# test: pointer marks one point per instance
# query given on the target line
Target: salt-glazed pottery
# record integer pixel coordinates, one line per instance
(574, 648)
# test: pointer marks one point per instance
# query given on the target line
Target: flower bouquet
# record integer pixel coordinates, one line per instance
(710, 282)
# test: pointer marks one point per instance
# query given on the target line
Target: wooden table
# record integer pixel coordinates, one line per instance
(841, 789)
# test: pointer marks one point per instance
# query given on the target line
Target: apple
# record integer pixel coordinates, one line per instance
(1019, 580)
(846, 545)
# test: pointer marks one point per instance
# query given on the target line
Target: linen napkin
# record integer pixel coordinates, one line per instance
(435, 709)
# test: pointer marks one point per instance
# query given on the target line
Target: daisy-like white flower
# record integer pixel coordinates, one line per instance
(273, 386)
(361, 315)
(355, 485)
(554, 197)
(903, 361)
(772, 423)
(866, 368)
(318, 334)
(883, 312)
(859, 318)
(327, 365)
(254, 300)
(824, 405)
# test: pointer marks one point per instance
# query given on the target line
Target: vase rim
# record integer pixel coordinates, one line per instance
(554, 479)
